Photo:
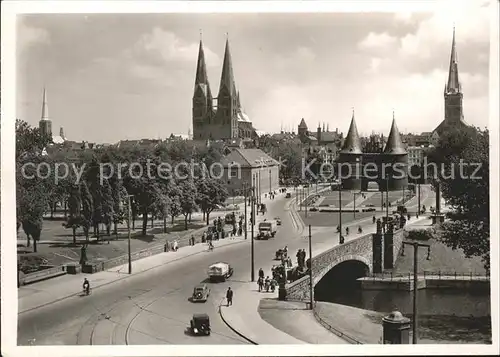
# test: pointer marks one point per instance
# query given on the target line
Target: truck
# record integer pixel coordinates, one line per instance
(267, 229)
(219, 271)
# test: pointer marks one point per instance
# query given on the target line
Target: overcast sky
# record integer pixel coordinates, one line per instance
(112, 77)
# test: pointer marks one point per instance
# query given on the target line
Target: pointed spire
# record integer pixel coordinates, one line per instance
(201, 67)
(45, 107)
(327, 127)
(227, 77)
(303, 124)
(323, 127)
(352, 143)
(394, 143)
(453, 85)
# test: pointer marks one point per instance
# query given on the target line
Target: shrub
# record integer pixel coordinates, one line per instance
(421, 234)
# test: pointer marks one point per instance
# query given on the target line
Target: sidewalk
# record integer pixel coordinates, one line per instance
(49, 291)
(243, 316)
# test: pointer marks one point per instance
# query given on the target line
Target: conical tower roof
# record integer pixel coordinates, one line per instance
(227, 77)
(45, 107)
(453, 84)
(201, 73)
(394, 143)
(352, 143)
(303, 124)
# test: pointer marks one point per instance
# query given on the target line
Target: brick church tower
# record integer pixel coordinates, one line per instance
(203, 111)
(453, 96)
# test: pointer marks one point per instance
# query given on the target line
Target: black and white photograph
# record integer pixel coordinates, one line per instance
(249, 178)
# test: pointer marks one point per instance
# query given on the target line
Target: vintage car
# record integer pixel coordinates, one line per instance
(200, 324)
(219, 271)
(200, 293)
(278, 221)
(288, 195)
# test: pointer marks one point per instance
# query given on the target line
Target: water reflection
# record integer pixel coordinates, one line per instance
(444, 315)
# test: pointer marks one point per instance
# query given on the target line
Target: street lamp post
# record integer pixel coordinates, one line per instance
(387, 198)
(246, 222)
(415, 246)
(129, 234)
(252, 236)
(341, 239)
(311, 289)
(269, 180)
(259, 192)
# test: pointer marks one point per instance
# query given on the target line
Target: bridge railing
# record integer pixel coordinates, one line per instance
(439, 275)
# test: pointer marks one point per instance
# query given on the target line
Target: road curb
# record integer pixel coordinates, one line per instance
(122, 278)
(232, 328)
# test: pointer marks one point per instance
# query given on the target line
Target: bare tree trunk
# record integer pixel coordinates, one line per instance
(164, 224)
(74, 235)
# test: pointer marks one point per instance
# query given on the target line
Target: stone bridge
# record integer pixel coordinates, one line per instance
(377, 251)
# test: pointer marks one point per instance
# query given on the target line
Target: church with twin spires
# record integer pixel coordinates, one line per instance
(221, 118)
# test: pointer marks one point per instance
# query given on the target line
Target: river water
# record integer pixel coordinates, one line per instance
(445, 316)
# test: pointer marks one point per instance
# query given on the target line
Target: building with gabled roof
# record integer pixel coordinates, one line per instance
(252, 167)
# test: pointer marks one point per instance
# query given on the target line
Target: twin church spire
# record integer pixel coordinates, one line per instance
(227, 77)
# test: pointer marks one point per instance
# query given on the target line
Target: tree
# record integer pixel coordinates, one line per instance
(74, 220)
(210, 194)
(463, 155)
(32, 203)
(87, 209)
(175, 196)
(187, 199)
(119, 193)
(107, 206)
(146, 190)
(29, 140)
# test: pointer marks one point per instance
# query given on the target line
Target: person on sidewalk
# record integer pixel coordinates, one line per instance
(260, 283)
(229, 296)
(374, 219)
(261, 273)
(176, 245)
(86, 286)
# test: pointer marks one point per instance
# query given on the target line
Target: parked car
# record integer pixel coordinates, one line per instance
(219, 271)
(288, 195)
(200, 293)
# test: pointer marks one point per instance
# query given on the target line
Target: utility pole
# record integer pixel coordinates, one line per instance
(341, 239)
(354, 194)
(311, 289)
(305, 200)
(253, 222)
(129, 234)
(270, 180)
(387, 199)
(415, 246)
(246, 222)
(259, 192)
(418, 199)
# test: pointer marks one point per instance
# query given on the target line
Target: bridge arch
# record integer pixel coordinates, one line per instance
(349, 257)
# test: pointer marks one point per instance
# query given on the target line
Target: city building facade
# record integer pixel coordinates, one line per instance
(250, 167)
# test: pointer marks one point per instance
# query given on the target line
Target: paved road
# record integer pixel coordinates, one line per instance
(153, 307)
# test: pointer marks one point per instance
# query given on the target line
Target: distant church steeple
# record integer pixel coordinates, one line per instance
(202, 96)
(45, 124)
(453, 96)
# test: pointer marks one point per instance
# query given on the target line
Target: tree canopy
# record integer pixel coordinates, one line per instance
(462, 159)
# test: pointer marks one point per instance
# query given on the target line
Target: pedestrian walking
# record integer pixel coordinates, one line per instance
(229, 296)
(261, 273)
(260, 283)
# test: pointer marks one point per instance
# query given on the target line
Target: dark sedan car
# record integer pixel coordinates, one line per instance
(200, 293)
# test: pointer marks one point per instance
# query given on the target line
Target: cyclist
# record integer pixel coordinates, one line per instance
(86, 286)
